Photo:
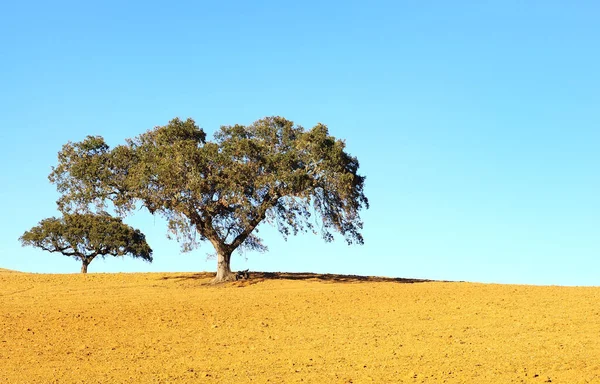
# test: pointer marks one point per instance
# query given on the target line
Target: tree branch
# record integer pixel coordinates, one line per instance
(267, 203)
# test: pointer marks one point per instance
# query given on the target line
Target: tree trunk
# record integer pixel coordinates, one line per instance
(84, 265)
(224, 268)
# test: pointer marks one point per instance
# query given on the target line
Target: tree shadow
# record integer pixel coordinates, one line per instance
(190, 276)
(335, 278)
(306, 276)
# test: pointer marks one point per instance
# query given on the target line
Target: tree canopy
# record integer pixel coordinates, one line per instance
(86, 236)
(221, 190)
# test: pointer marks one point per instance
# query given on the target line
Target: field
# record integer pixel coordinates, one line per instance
(290, 328)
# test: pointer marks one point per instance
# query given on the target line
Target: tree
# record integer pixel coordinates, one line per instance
(86, 236)
(221, 190)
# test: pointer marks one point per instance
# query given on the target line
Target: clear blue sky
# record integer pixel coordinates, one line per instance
(477, 125)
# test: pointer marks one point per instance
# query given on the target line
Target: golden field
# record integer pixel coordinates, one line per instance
(290, 328)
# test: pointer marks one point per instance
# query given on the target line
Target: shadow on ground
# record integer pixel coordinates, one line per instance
(334, 278)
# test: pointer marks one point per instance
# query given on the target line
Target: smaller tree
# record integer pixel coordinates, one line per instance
(85, 236)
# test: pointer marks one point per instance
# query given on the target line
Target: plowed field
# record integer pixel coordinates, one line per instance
(289, 328)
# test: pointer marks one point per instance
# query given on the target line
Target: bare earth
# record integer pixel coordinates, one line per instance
(288, 328)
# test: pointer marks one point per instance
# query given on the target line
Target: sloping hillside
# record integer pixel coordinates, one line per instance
(287, 328)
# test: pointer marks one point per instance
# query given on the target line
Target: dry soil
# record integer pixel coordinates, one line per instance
(288, 328)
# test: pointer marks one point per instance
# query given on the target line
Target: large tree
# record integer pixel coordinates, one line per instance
(87, 236)
(221, 190)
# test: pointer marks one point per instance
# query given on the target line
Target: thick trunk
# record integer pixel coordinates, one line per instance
(224, 268)
(84, 265)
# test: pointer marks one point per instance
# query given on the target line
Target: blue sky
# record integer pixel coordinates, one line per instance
(477, 125)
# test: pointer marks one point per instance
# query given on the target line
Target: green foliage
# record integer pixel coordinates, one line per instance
(220, 190)
(86, 236)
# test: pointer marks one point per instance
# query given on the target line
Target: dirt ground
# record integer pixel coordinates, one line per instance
(289, 328)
